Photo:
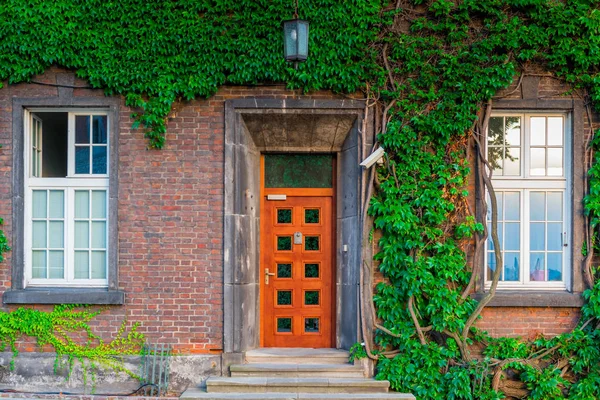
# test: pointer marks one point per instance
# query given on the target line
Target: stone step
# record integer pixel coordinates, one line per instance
(297, 355)
(298, 385)
(195, 393)
(295, 370)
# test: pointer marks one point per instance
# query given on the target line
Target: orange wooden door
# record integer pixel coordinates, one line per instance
(297, 243)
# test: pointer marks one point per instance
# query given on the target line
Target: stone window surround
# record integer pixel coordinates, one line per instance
(531, 298)
(18, 294)
(242, 220)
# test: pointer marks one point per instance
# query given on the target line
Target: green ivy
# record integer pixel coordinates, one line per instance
(59, 329)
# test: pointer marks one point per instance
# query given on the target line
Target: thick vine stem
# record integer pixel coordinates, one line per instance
(411, 301)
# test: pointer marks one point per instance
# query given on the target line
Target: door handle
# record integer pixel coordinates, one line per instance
(267, 275)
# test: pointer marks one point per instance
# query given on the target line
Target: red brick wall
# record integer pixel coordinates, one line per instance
(170, 217)
(528, 322)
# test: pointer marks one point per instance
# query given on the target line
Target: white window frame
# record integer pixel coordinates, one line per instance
(69, 184)
(525, 184)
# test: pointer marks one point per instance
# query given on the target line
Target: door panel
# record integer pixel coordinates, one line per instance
(297, 269)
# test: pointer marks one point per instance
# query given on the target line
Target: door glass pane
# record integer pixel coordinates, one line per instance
(56, 205)
(284, 324)
(82, 160)
(537, 236)
(284, 243)
(284, 297)
(555, 162)
(56, 261)
(38, 263)
(82, 266)
(538, 131)
(284, 270)
(39, 204)
(537, 206)
(82, 235)
(538, 267)
(311, 325)
(538, 162)
(311, 243)
(554, 236)
(98, 235)
(82, 129)
(298, 171)
(311, 298)
(39, 235)
(99, 129)
(56, 234)
(99, 159)
(98, 265)
(311, 270)
(311, 216)
(555, 266)
(284, 216)
(511, 266)
(82, 204)
(555, 131)
(98, 204)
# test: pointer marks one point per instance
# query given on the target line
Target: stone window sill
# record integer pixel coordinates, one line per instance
(535, 299)
(64, 296)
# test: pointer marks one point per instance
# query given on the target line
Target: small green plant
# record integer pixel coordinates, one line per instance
(357, 351)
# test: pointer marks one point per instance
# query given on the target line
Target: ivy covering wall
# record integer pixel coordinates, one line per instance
(433, 68)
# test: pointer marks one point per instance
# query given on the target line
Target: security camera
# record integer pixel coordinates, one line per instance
(375, 156)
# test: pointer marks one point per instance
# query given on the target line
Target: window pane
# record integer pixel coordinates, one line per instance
(38, 263)
(495, 156)
(98, 235)
(537, 206)
(39, 235)
(98, 204)
(513, 131)
(512, 162)
(538, 162)
(82, 129)
(511, 266)
(99, 129)
(537, 236)
(495, 131)
(82, 240)
(82, 204)
(82, 267)
(82, 160)
(538, 266)
(99, 160)
(555, 131)
(56, 205)
(39, 204)
(56, 264)
(491, 260)
(554, 236)
(555, 266)
(555, 162)
(56, 234)
(538, 131)
(298, 171)
(513, 206)
(512, 236)
(500, 236)
(98, 265)
(555, 206)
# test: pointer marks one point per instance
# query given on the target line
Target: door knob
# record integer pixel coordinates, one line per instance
(267, 275)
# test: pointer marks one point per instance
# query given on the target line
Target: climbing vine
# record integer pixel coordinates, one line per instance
(67, 331)
(430, 70)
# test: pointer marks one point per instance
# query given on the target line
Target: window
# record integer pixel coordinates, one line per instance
(66, 198)
(529, 155)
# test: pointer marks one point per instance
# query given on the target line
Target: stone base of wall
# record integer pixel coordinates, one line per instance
(34, 372)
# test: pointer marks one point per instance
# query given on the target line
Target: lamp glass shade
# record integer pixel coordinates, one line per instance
(295, 40)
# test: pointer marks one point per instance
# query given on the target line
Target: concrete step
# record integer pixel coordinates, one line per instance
(298, 385)
(195, 393)
(297, 355)
(296, 370)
